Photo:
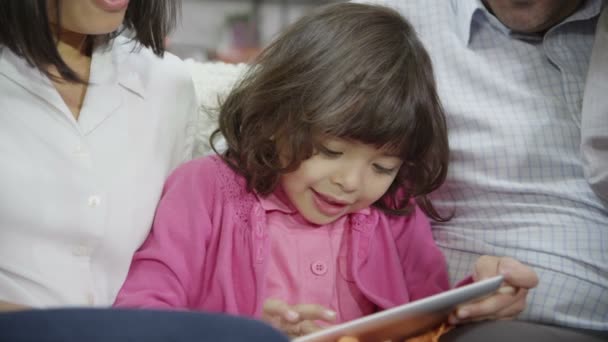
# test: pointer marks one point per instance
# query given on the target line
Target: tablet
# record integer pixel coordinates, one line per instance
(406, 320)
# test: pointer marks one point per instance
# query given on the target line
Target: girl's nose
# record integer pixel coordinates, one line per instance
(348, 178)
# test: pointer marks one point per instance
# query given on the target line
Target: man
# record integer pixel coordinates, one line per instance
(594, 126)
(511, 76)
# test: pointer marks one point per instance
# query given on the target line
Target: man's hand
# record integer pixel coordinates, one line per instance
(296, 320)
(509, 301)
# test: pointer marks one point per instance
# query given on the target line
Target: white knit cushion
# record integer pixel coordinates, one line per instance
(212, 82)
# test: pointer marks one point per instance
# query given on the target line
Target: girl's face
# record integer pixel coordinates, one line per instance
(341, 178)
(90, 17)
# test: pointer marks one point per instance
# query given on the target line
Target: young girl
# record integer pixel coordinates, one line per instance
(316, 211)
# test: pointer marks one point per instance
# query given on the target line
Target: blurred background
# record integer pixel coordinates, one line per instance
(233, 30)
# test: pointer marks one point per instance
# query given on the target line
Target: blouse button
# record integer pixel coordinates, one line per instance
(318, 267)
(94, 201)
(80, 151)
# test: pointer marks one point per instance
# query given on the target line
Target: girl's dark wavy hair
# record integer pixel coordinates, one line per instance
(347, 70)
(25, 29)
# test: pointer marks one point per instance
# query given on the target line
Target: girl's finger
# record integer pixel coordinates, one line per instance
(278, 308)
(308, 327)
(315, 312)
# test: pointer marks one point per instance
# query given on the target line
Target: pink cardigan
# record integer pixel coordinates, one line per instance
(208, 249)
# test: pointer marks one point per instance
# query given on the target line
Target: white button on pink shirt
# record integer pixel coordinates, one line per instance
(308, 263)
(78, 197)
(319, 268)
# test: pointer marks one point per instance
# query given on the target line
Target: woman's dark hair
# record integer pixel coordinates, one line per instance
(25, 29)
(346, 70)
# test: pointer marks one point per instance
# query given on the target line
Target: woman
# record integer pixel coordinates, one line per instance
(91, 123)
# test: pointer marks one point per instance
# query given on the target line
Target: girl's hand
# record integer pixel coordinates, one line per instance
(509, 301)
(296, 320)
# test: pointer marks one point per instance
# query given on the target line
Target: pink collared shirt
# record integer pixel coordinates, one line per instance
(209, 249)
(304, 253)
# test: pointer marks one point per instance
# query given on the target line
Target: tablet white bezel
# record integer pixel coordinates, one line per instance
(420, 315)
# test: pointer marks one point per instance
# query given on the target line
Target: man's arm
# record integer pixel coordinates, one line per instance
(594, 117)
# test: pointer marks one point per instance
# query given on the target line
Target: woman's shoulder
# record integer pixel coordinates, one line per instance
(168, 68)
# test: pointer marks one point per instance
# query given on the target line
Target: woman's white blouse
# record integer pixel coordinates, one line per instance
(77, 198)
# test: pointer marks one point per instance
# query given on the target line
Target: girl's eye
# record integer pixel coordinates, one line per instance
(384, 170)
(329, 153)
